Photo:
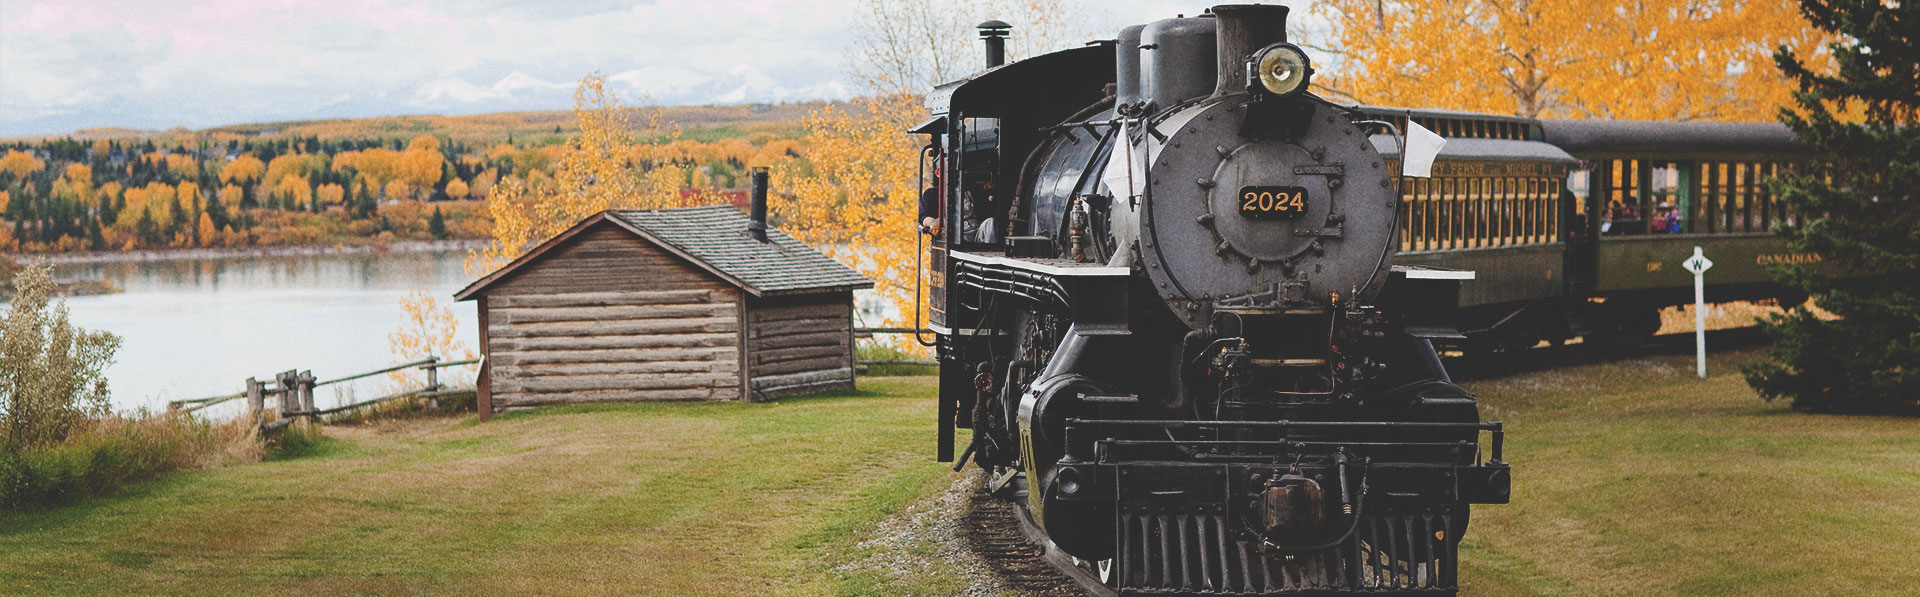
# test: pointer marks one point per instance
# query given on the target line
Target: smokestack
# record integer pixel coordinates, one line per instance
(995, 33)
(1244, 29)
(757, 210)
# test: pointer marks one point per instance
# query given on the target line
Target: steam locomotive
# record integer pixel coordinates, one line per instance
(1169, 320)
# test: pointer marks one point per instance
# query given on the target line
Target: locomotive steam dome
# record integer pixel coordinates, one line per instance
(1251, 200)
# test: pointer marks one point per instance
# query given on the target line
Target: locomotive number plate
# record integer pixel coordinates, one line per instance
(1262, 202)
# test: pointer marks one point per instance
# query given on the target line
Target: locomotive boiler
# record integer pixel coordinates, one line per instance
(1170, 328)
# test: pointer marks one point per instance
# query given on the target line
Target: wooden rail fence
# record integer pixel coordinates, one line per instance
(869, 332)
(293, 391)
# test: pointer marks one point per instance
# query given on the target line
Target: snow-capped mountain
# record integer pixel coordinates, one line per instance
(656, 85)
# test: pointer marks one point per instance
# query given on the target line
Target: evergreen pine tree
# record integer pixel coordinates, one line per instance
(174, 224)
(368, 206)
(217, 212)
(149, 232)
(1859, 214)
(437, 226)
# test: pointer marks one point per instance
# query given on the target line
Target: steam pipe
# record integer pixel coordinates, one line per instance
(757, 211)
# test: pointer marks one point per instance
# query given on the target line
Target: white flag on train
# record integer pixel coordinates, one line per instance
(1416, 158)
(1127, 166)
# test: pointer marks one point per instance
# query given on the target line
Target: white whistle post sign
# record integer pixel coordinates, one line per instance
(1699, 264)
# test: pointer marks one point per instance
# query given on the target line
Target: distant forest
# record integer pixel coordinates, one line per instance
(332, 182)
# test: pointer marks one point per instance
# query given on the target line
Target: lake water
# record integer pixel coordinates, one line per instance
(200, 327)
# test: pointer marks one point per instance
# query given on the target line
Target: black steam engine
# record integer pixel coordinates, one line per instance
(1170, 327)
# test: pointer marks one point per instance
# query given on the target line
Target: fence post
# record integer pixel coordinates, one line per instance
(306, 395)
(286, 385)
(433, 382)
(256, 400)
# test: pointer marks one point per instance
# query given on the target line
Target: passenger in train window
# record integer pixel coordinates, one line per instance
(976, 212)
(930, 208)
(1626, 217)
(1658, 223)
(1665, 219)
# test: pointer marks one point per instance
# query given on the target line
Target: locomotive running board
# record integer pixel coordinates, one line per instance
(1095, 294)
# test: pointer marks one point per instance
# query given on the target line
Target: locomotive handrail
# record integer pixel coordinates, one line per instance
(1494, 428)
(1284, 423)
(1016, 282)
(1246, 442)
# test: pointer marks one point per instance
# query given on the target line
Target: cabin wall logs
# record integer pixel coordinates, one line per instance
(800, 345)
(609, 317)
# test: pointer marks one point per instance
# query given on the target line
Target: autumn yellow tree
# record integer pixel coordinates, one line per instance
(160, 197)
(182, 166)
(291, 164)
(20, 163)
(421, 165)
(230, 195)
(243, 170)
(378, 164)
(427, 328)
(457, 189)
(853, 191)
(294, 191)
(205, 233)
(79, 175)
(594, 171)
(189, 194)
(853, 194)
(330, 194)
(1655, 59)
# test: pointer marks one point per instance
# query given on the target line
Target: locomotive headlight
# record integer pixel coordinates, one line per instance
(1279, 69)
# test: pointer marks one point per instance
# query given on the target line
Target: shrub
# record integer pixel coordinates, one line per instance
(293, 441)
(51, 374)
(111, 452)
(876, 353)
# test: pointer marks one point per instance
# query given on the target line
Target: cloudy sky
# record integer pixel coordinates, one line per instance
(72, 64)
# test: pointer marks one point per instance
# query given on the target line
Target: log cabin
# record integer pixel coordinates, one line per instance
(691, 303)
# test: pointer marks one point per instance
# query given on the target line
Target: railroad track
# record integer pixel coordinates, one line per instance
(994, 532)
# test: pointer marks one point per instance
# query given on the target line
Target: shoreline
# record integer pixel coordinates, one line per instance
(142, 256)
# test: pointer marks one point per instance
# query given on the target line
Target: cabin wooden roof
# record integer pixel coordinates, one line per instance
(715, 239)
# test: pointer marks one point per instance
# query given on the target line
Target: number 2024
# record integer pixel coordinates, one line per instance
(1268, 201)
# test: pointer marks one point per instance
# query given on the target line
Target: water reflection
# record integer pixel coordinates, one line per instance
(199, 327)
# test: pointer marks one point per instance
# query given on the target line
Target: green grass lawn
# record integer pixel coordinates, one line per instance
(1632, 478)
(632, 499)
(1638, 478)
